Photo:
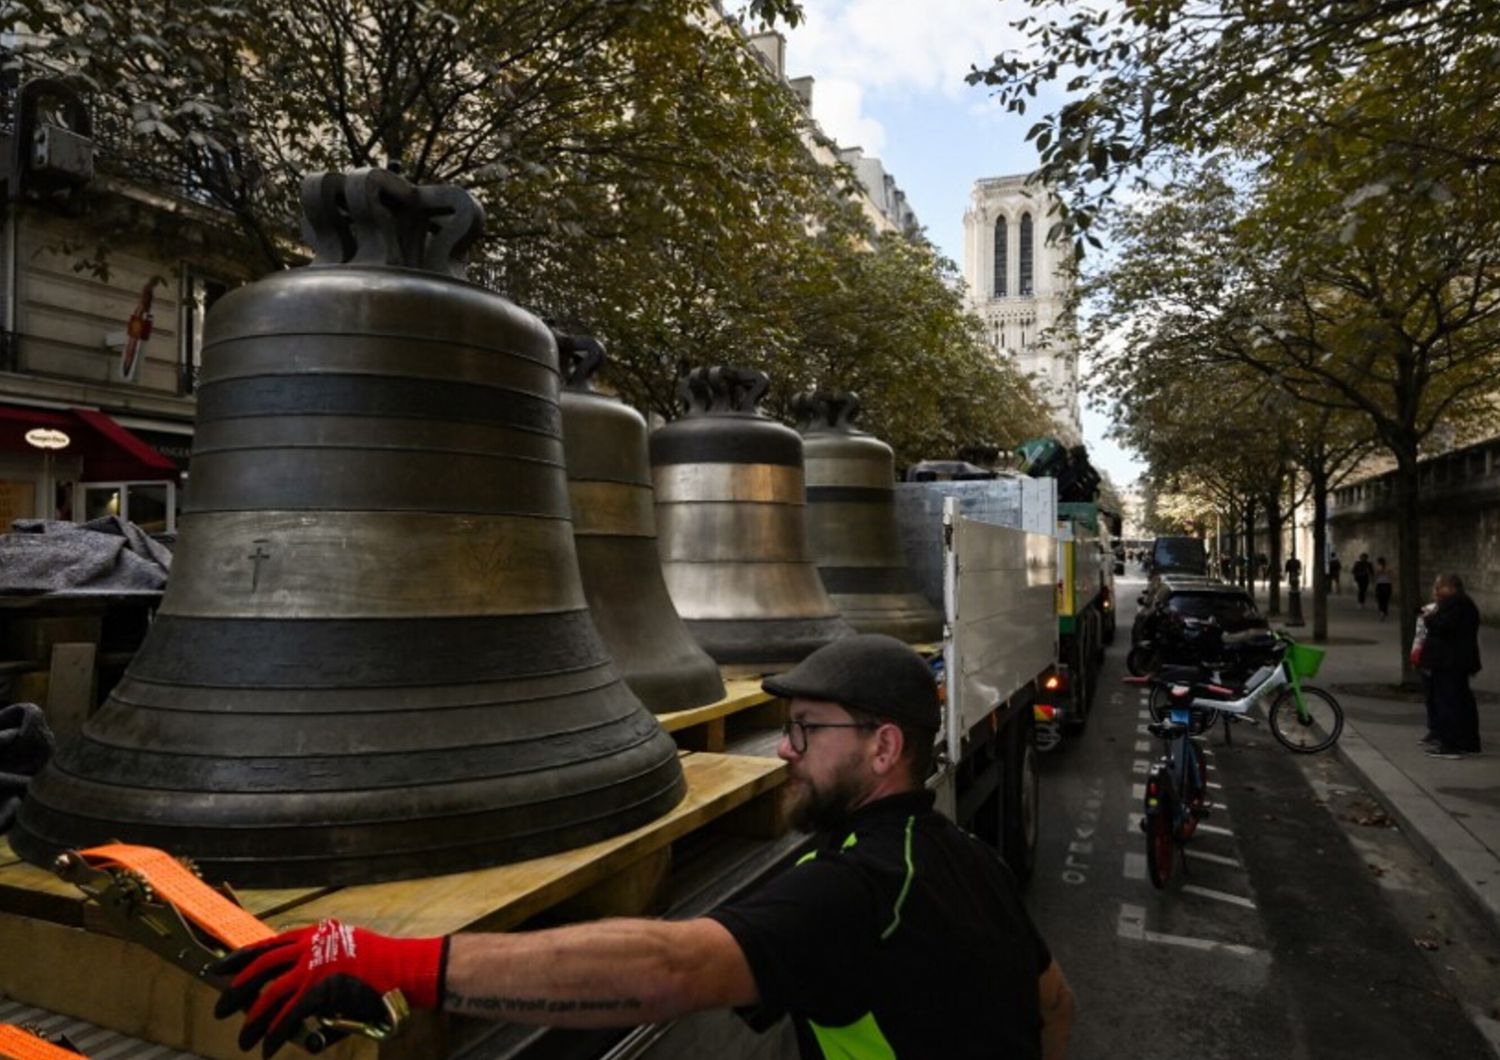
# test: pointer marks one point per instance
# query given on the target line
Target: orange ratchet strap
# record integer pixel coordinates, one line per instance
(150, 897)
(201, 905)
(18, 1044)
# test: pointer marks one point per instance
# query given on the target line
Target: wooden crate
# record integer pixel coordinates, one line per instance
(57, 957)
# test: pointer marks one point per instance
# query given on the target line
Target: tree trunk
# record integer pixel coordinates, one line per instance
(1318, 560)
(1408, 554)
(1247, 577)
(1274, 521)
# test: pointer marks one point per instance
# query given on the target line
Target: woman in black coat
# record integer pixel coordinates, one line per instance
(1450, 655)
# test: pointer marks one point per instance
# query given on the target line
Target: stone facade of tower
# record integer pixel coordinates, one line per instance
(1019, 285)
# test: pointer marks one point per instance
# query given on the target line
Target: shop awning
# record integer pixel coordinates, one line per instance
(110, 452)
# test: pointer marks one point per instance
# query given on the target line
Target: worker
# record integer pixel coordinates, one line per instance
(898, 935)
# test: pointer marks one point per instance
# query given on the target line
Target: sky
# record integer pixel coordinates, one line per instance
(889, 77)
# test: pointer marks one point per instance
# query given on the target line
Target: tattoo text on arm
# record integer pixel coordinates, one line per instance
(516, 1006)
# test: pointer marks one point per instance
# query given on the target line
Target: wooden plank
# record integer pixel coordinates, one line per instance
(739, 694)
(70, 689)
(504, 896)
(127, 988)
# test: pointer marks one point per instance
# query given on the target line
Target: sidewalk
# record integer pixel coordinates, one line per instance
(1449, 809)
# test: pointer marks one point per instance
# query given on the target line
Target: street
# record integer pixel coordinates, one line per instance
(1305, 925)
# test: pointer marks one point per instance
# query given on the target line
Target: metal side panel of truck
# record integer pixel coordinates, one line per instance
(984, 552)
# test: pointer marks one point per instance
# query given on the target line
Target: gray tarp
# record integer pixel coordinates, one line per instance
(104, 556)
(25, 745)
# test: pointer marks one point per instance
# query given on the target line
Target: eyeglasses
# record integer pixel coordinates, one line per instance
(796, 731)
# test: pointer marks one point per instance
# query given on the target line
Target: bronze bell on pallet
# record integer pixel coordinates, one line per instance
(851, 521)
(730, 509)
(374, 658)
(614, 530)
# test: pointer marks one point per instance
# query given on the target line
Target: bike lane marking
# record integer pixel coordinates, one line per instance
(1132, 925)
(1218, 896)
(1203, 855)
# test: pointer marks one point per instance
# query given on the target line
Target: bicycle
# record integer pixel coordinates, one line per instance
(1177, 787)
(1304, 718)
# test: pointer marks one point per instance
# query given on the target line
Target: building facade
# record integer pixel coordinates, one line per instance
(103, 289)
(881, 198)
(1019, 284)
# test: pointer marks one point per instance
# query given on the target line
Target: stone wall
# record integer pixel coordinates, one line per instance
(1460, 529)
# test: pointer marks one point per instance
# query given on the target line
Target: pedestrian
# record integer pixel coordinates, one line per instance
(1449, 656)
(1334, 569)
(900, 935)
(1293, 573)
(1362, 572)
(1383, 576)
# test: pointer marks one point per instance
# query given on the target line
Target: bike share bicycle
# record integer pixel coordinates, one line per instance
(1186, 701)
(1177, 787)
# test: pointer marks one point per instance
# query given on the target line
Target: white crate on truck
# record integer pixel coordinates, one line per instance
(1012, 500)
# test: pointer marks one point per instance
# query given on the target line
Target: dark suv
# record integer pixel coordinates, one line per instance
(1173, 615)
(1178, 555)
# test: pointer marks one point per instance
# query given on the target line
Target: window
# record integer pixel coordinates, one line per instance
(199, 293)
(1002, 281)
(150, 505)
(1026, 255)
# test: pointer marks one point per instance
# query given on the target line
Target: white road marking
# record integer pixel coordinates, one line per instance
(1142, 746)
(1137, 792)
(1135, 866)
(1218, 896)
(1133, 824)
(1143, 714)
(1213, 829)
(1140, 765)
(1215, 784)
(1132, 925)
(1203, 855)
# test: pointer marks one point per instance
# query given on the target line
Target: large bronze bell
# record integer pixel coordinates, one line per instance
(614, 530)
(374, 658)
(730, 508)
(851, 521)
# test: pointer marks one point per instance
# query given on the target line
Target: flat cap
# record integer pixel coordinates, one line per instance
(871, 672)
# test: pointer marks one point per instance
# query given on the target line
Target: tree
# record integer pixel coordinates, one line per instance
(1148, 81)
(1343, 277)
(643, 175)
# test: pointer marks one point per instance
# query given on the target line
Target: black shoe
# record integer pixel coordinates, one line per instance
(1440, 751)
(1428, 741)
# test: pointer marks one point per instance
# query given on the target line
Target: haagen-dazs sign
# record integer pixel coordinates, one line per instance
(47, 438)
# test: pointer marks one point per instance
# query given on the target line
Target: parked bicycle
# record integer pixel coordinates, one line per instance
(1304, 718)
(1177, 787)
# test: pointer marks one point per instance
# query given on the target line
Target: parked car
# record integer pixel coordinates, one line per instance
(1181, 618)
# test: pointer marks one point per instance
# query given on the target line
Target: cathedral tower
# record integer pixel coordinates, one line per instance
(1019, 284)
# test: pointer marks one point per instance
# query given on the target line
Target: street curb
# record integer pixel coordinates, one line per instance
(1445, 843)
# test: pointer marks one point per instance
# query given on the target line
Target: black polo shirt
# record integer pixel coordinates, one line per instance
(903, 937)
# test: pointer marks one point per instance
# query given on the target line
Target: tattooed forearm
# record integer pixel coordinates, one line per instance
(496, 1007)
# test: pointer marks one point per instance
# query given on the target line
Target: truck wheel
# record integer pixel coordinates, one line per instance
(1082, 676)
(1018, 832)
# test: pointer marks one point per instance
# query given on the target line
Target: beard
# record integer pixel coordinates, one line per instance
(827, 808)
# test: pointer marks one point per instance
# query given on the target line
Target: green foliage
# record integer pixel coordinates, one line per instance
(643, 176)
(1146, 81)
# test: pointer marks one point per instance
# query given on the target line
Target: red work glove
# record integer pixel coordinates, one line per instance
(329, 971)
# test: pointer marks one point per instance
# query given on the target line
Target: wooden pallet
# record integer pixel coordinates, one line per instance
(57, 957)
(707, 728)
